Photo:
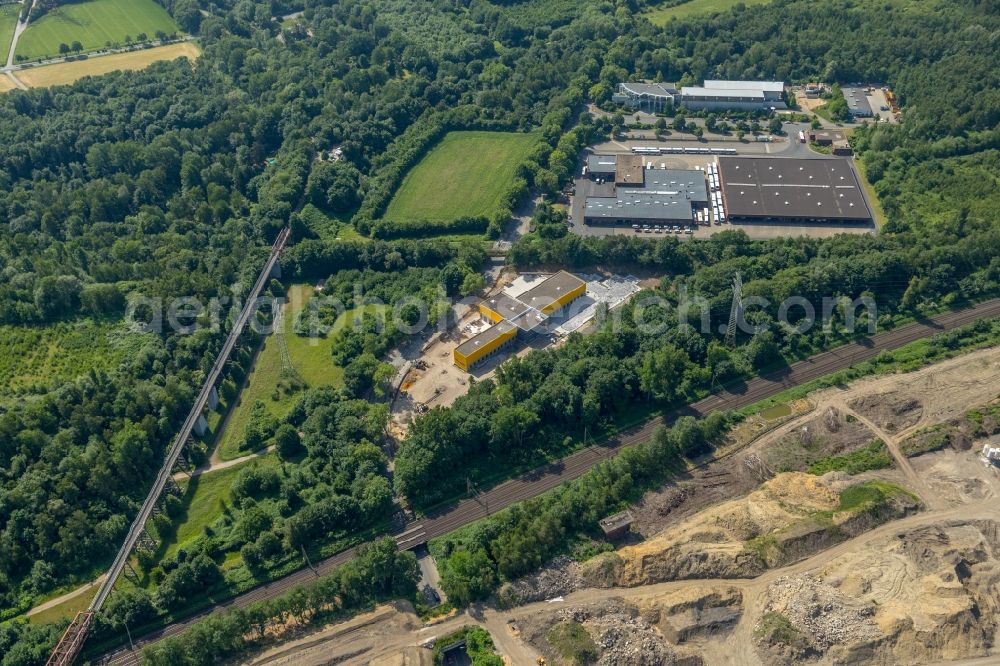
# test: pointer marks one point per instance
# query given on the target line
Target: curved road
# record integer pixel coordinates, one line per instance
(549, 476)
(18, 29)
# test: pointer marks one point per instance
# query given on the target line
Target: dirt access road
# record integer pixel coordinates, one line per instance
(549, 476)
(384, 634)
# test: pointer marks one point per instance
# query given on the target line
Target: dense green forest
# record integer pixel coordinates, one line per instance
(173, 181)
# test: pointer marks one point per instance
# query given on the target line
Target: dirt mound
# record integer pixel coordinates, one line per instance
(559, 577)
(790, 517)
(610, 632)
(960, 433)
(688, 614)
(805, 618)
(925, 595)
(604, 570)
(892, 412)
(624, 637)
(829, 433)
(957, 478)
(703, 487)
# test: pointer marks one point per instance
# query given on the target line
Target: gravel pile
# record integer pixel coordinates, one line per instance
(559, 577)
(625, 638)
(621, 635)
(824, 615)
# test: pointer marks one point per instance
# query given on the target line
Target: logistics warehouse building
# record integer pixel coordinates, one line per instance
(714, 94)
(783, 190)
(645, 192)
(524, 315)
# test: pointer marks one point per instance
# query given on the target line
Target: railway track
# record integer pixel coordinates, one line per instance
(575, 465)
(72, 641)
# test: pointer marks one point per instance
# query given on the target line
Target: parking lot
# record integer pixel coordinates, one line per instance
(753, 231)
(877, 100)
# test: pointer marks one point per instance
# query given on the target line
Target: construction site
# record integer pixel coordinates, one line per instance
(521, 313)
(759, 556)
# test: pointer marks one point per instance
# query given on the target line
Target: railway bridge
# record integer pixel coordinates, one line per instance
(73, 639)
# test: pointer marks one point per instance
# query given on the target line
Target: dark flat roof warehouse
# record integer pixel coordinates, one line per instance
(506, 306)
(551, 290)
(641, 205)
(667, 196)
(801, 189)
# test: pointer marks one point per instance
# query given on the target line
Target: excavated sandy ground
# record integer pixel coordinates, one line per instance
(943, 390)
(923, 595)
(921, 589)
(355, 641)
(711, 543)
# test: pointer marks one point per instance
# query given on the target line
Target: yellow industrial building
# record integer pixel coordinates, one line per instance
(476, 349)
(512, 315)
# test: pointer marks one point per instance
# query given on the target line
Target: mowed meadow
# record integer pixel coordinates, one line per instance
(465, 174)
(8, 21)
(95, 24)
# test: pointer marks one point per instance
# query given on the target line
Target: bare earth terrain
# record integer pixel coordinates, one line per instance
(750, 560)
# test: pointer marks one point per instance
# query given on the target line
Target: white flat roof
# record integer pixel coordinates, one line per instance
(768, 86)
(742, 93)
(653, 89)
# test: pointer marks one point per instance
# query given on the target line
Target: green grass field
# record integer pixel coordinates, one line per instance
(695, 7)
(466, 173)
(205, 499)
(311, 362)
(93, 23)
(44, 356)
(66, 610)
(8, 21)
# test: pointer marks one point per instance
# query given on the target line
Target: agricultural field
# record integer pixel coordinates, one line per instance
(694, 7)
(42, 357)
(465, 174)
(277, 382)
(95, 24)
(65, 73)
(8, 21)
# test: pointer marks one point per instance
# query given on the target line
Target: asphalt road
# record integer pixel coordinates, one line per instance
(549, 476)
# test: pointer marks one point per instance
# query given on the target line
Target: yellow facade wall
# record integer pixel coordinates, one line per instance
(489, 313)
(565, 299)
(466, 361)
